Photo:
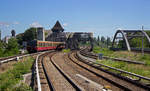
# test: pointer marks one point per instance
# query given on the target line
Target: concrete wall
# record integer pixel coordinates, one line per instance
(40, 34)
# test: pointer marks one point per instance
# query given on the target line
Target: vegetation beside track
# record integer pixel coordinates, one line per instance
(143, 70)
(124, 54)
(134, 68)
(12, 77)
(10, 49)
(66, 50)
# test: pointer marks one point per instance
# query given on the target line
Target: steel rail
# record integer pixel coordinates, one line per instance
(95, 56)
(67, 77)
(93, 72)
(121, 71)
(16, 58)
(37, 75)
(47, 77)
(37, 68)
(7, 59)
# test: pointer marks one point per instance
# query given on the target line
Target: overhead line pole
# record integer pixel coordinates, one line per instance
(143, 41)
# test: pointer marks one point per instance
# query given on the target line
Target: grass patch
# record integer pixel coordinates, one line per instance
(13, 76)
(134, 68)
(123, 54)
(105, 51)
(22, 87)
(66, 50)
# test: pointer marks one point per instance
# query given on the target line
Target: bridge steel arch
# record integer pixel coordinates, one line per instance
(126, 37)
(146, 35)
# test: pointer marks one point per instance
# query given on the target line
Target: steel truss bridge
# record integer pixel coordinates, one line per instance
(76, 37)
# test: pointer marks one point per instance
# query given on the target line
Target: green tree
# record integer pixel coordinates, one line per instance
(19, 38)
(30, 34)
(108, 41)
(98, 40)
(1, 49)
(103, 39)
(12, 47)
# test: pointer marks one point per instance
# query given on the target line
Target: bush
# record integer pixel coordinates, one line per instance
(22, 87)
(66, 50)
(13, 76)
(10, 49)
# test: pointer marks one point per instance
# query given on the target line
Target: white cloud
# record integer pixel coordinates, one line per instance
(35, 24)
(16, 23)
(8, 24)
(65, 24)
(4, 24)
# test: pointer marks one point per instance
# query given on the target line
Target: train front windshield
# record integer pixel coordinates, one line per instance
(32, 43)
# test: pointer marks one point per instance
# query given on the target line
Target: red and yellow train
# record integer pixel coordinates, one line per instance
(36, 46)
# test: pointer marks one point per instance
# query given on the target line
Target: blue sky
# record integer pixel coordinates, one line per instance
(102, 17)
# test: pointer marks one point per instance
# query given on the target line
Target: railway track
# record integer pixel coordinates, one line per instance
(95, 56)
(127, 76)
(12, 58)
(52, 77)
(57, 71)
(87, 79)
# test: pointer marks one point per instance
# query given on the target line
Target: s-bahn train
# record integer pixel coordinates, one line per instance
(36, 46)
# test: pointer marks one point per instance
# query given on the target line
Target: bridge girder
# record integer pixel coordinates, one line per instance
(74, 39)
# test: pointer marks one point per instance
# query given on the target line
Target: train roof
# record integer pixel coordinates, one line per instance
(49, 41)
(45, 41)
